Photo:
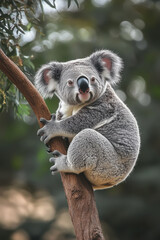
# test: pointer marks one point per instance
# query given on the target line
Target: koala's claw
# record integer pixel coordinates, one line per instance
(53, 116)
(56, 154)
(48, 149)
(40, 132)
(55, 160)
(42, 138)
(52, 160)
(43, 120)
(53, 168)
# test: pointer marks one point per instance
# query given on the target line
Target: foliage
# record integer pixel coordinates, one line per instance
(130, 28)
(16, 19)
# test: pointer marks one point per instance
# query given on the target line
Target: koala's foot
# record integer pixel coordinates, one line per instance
(59, 162)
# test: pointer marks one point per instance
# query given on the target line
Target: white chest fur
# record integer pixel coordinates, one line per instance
(68, 110)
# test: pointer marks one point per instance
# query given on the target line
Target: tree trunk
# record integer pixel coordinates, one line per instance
(78, 190)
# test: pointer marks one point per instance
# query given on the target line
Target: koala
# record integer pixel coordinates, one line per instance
(102, 131)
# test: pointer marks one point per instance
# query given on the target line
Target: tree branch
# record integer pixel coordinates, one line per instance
(78, 190)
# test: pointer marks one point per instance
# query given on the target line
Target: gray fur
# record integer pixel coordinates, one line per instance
(103, 132)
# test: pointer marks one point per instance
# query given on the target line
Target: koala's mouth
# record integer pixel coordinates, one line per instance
(84, 97)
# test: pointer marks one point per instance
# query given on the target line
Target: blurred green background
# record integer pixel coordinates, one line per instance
(32, 202)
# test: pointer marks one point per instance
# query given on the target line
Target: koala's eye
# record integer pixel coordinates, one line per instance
(70, 83)
(93, 79)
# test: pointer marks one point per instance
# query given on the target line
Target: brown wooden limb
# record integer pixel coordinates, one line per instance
(79, 192)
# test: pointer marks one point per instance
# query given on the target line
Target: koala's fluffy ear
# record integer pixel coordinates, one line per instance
(47, 77)
(108, 65)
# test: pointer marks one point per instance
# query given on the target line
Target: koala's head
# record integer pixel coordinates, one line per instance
(79, 81)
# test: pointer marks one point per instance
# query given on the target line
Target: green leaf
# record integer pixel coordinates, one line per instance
(29, 26)
(50, 4)
(28, 63)
(41, 5)
(19, 29)
(69, 3)
(77, 3)
(22, 110)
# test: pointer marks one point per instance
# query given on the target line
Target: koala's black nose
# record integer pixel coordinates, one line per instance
(83, 84)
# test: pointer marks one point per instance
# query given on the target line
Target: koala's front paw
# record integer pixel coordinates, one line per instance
(59, 162)
(53, 116)
(48, 131)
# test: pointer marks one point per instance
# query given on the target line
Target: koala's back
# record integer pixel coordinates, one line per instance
(120, 129)
(119, 125)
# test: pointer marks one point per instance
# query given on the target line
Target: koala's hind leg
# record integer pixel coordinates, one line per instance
(91, 153)
(62, 163)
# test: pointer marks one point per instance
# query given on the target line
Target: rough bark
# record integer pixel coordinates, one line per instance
(78, 190)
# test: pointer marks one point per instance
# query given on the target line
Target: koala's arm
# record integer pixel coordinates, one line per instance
(69, 127)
